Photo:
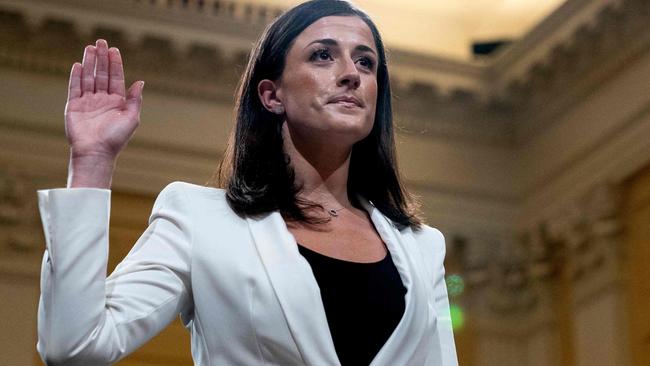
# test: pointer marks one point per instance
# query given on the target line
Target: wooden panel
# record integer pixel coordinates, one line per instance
(636, 216)
(465, 342)
(564, 310)
(129, 216)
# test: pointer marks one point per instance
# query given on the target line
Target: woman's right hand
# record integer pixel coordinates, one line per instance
(100, 115)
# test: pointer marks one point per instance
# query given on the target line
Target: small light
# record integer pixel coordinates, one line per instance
(455, 285)
(457, 317)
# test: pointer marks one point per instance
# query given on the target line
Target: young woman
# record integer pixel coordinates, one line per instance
(309, 254)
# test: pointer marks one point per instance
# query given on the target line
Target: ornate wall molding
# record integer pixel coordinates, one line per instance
(596, 51)
(516, 60)
(230, 9)
(511, 279)
(202, 71)
(205, 58)
(21, 238)
(491, 100)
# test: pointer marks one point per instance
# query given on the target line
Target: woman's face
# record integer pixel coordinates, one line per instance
(329, 84)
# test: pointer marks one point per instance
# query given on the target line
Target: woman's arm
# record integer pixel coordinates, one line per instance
(85, 318)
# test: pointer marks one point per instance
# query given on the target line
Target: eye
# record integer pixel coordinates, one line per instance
(366, 62)
(322, 54)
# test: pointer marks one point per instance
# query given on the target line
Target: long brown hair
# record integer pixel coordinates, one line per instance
(256, 173)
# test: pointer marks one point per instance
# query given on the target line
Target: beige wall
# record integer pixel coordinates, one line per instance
(636, 210)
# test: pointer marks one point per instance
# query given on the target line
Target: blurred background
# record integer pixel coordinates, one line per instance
(523, 127)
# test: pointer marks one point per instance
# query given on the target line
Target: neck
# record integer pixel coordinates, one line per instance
(321, 168)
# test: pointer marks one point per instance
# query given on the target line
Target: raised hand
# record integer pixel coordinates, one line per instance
(100, 115)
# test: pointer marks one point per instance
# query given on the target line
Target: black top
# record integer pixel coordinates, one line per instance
(363, 302)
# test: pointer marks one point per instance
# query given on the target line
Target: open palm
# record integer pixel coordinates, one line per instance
(100, 115)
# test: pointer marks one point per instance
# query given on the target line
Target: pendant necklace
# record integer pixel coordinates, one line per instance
(333, 212)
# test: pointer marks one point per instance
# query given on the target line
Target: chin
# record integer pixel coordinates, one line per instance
(343, 128)
(351, 128)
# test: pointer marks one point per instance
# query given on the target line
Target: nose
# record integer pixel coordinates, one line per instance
(349, 75)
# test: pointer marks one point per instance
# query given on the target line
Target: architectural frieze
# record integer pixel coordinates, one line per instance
(21, 239)
(198, 49)
(590, 56)
(506, 277)
(203, 70)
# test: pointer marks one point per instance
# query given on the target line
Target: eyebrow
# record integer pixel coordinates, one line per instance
(332, 42)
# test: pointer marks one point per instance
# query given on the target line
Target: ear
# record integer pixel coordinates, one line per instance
(267, 91)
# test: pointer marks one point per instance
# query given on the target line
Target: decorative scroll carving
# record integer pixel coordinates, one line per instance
(19, 224)
(617, 31)
(582, 239)
(496, 272)
(421, 108)
(236, 10)
(587, 233)
(203, 71)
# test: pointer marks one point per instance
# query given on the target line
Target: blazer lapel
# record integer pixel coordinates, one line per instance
(411, 341)
(299, 295)
(296, 289)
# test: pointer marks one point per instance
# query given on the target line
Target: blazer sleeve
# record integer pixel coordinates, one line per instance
(436, 250)
(85, 318)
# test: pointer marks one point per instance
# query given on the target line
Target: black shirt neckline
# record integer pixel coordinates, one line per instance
(342, 262)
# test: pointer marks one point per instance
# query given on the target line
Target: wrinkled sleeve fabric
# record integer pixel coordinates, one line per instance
(436, 250)
(85, 318)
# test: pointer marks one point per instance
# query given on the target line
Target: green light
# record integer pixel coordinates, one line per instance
(455, 285)
(457, 316)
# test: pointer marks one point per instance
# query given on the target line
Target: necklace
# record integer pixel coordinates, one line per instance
(333, 212)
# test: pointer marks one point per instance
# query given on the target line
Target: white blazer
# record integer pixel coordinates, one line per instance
(239, 284)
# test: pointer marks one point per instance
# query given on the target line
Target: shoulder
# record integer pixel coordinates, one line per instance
(431, 240)
(191, 189)
(428, 233)
(185, 194)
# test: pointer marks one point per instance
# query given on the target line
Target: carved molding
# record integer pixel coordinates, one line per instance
(21, 238)
(235, 10)
(202, 71)
(511, 277)
(48, 42)
(468, 100)
(574, 67)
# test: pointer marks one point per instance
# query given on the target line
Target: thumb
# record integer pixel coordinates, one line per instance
(134, 94)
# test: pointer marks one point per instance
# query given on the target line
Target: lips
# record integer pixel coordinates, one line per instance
(347, 100)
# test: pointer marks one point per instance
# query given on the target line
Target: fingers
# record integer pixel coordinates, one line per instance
(116, 72)
(134, 96)
(101, 66)
(88, 70)
(74, 87)
(101, 70)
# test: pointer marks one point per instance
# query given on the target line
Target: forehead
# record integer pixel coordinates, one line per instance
(343, 29)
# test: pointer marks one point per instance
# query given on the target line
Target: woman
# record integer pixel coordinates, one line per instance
(309, 256)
